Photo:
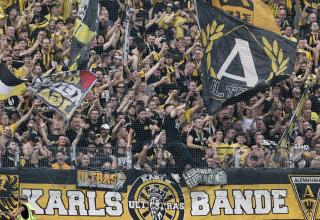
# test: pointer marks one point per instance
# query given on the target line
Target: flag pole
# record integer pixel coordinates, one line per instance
(196, 9)
(127, 32)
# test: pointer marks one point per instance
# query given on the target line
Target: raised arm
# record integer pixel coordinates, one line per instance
(26, 116)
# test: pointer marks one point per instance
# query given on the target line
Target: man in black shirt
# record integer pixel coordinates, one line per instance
(143, 130)
(95, 121)
(198, 141)
(121, 154)
(174, 143)
(10, 157)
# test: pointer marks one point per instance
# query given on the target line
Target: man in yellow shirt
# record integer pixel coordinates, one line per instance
(222, 148)
(24, 71)
(244, 150)
(60, 164)
(175, 19)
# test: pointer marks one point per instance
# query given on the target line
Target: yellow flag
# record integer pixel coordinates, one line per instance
(22, 5)
(251, 11)
(67, 8)
(4, 4)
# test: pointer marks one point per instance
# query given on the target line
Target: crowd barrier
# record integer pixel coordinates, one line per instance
(78, 194)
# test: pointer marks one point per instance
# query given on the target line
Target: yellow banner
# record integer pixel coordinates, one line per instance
(251, 11)
(155, 197)
(243, 202)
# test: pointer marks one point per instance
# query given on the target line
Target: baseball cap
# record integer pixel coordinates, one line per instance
(105, 126)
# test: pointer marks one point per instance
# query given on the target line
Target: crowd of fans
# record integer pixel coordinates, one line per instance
(147, 113)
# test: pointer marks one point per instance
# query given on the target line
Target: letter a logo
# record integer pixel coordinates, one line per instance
(307, 191)
(250, 74)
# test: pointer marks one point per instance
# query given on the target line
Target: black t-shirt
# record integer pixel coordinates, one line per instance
(95, 162)
(8, 160)
(269, 122)
(17, 63)
(53, 138)
(171, 126)
(95, 127)
(142, 132)
(121, 159)
(105, 158)
(183, 83)
(71, 135)
(315, 100)
(198, 139)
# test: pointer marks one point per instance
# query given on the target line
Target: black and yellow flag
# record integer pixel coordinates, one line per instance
(296, 115)
(84, 32)
(238, 57)
(9, 84)
(252, 11)
(307, 191)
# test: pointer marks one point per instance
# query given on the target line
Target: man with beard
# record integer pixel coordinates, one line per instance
(11, 157)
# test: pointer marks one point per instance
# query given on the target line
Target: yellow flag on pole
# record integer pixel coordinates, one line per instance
(252, 11)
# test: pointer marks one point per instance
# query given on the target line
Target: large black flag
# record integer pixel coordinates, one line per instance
(238, 57)
(85, 30)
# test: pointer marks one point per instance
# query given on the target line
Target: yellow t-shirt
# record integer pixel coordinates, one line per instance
(177, 23)
(162, 23)
(13, 128)
(293, 39)
(188, 114)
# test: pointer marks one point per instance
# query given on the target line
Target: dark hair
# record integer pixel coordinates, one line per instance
(141, 110)
(140, 103)
(10, 141)
(241, 133)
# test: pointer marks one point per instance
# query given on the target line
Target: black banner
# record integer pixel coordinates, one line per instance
(84, 32)
(238, 57)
